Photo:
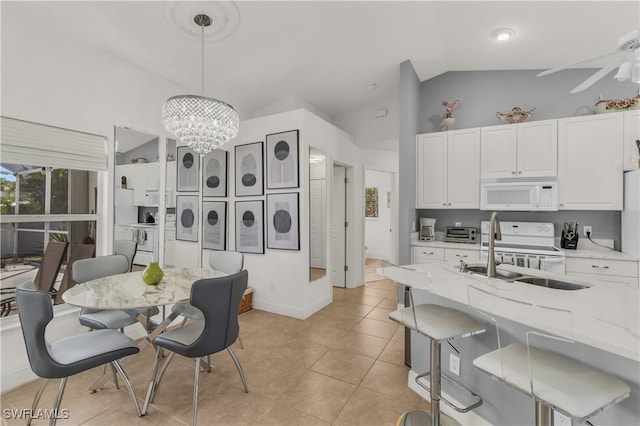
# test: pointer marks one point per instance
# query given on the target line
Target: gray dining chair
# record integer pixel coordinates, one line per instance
(218, 299)
(127, 248)
(229, 262)
(72, 355)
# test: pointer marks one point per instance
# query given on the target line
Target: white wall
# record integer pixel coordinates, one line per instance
(378, 241)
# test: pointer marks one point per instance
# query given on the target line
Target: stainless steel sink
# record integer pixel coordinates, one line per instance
(551, 283)
(482, 270)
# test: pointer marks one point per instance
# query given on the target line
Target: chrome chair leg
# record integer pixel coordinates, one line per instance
(235, 360)
(195, 391)
(152, 382)
(116, 366)
(115, 376)
(240, 341)
(56, 406)
(161, 374)
(36, 399)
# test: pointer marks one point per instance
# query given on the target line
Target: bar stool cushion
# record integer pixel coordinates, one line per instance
(438, 322)
(566, 385)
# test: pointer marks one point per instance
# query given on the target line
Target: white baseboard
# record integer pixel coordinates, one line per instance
(468, 419)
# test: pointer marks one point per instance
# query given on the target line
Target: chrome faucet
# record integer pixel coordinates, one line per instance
(494, 234)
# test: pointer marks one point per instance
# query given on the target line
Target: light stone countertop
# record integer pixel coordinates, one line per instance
(601, 316)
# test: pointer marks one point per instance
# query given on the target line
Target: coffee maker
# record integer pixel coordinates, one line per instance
(427, 229)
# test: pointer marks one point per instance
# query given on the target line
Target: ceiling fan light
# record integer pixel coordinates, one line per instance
(635, 73)
(624, 72)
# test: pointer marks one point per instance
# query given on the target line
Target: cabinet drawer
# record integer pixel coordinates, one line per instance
(612, 280)
(456, 255)
(424, 254)
(622, 268)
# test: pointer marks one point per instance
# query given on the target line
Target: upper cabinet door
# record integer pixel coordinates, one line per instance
(463, 186)
(590, 162)
(537, 149)
(431, 171)
(631, 135)
(498, 151)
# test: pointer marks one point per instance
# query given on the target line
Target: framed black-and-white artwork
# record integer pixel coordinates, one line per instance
(187, 217)
(282, 160)
(250, 226)
(214, 173)
(283, 225)
(214, 225)
(249, 172)
(188, 173)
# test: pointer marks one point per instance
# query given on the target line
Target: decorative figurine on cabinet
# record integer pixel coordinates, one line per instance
(448, 119)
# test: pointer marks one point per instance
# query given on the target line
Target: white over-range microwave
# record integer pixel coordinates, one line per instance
(519, 195)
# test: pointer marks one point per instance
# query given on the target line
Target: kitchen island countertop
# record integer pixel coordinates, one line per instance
(601, 316)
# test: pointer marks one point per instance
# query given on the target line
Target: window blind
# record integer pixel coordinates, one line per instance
(24, 142)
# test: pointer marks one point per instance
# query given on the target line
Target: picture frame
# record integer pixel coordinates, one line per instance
(214, 173)
(188, 170)
(249, 173)
(187, 209)
(214, 225)
(283, 164)
(249, 226)
(283, 222)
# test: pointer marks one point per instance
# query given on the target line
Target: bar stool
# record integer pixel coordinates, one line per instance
(555, 382)
(439, 324)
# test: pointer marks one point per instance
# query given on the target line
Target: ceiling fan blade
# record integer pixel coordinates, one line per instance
(598, 75)
(563, 67)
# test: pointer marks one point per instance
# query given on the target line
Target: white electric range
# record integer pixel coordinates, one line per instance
(526, 244)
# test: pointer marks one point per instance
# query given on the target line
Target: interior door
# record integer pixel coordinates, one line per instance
(338, 229)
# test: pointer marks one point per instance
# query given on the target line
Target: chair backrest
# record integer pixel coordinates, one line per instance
(35, 312)
(229, 262)
(78, 252)
(219, 300)
(52, 259)
(98, 267)
(127, 248)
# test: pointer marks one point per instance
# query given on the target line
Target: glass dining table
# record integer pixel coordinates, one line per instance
(129, 293)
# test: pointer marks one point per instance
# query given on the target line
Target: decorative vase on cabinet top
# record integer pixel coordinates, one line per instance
(152, 274)
(517, 115)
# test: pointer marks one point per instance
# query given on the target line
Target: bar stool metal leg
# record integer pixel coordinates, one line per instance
(544, 415)
(435, 382)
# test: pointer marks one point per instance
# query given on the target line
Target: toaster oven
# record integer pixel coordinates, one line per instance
(460, 234)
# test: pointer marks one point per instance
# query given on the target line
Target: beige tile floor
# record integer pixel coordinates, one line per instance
(342, 366)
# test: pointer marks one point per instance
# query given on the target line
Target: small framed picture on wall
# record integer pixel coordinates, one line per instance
(214, 225)
(187, 218)
(250, 226)
(214, 173)
(282, 160)
(283, 226)
(188, 173)
(249, 172)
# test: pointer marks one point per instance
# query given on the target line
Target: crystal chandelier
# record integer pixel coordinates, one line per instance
(202, 123)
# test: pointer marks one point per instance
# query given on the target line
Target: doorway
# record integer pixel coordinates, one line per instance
(380, 214)
(339, 224)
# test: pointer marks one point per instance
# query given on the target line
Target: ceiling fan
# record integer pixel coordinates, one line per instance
(628, 66)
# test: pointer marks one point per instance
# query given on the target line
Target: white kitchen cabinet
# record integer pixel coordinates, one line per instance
(609, 270)
(631, 134)
(425, 254)
(520, 150)
(140, 178)
(448, 170)
(590, 162)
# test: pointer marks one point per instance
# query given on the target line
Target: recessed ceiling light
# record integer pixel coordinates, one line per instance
(372, 87)
(504, 34)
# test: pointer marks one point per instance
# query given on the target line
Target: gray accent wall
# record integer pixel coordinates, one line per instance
(483, 93)
(409, 106)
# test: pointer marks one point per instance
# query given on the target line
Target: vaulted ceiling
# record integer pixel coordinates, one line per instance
(324, 52)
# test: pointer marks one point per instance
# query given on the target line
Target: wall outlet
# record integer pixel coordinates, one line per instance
(458, 224)
(454, 364)
(561, 420)
(586, 229)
